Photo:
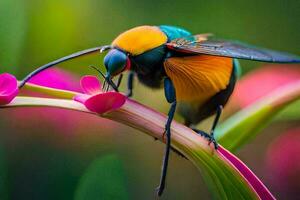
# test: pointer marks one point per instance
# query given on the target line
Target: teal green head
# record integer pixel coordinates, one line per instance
(115, 61)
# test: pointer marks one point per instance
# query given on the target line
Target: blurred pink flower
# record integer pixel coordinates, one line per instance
(52, 117)
(57, 78)
(95, 100)
(283, 163)
(259, 83)
(262, 81)
(8, 88)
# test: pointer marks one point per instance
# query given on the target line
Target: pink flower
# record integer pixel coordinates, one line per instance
(51, 117)
(53, 78)
(95, 100)
(57, 78)
(262, 81)
(259, 83)
(8, 88)
(283, 164)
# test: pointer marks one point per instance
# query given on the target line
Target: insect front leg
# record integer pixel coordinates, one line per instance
(119, 80)
(171, 98)
(130, 84)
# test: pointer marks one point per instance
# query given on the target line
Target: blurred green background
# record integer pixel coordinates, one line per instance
(54, 154)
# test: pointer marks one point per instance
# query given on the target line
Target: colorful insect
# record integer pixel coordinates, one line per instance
(198, 73)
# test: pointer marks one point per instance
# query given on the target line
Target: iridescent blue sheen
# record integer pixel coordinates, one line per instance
(115, 61)
(174, 32)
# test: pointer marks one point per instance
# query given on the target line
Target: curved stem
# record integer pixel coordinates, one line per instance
(65, 94)
(222, 177)
(246, 124)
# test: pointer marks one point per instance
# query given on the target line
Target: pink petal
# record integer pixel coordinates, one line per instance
(90, 85)
(81, 98)
(8, 88)
(103, 102)
(257, 185)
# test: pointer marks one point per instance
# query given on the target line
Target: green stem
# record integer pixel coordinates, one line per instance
(247, 123)
(65, 94)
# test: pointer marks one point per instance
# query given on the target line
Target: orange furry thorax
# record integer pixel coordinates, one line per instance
(140, 39)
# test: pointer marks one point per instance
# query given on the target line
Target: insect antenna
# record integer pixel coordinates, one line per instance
(98, 70)
(107, 81)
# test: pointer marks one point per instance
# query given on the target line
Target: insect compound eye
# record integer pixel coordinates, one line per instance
(115, 61)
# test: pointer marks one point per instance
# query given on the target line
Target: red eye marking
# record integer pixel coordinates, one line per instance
(128, 64)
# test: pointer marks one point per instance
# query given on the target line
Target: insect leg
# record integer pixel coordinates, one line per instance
(211, 136)
(119, 80)
(216, 120)
(130, 84)
(171, 98)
